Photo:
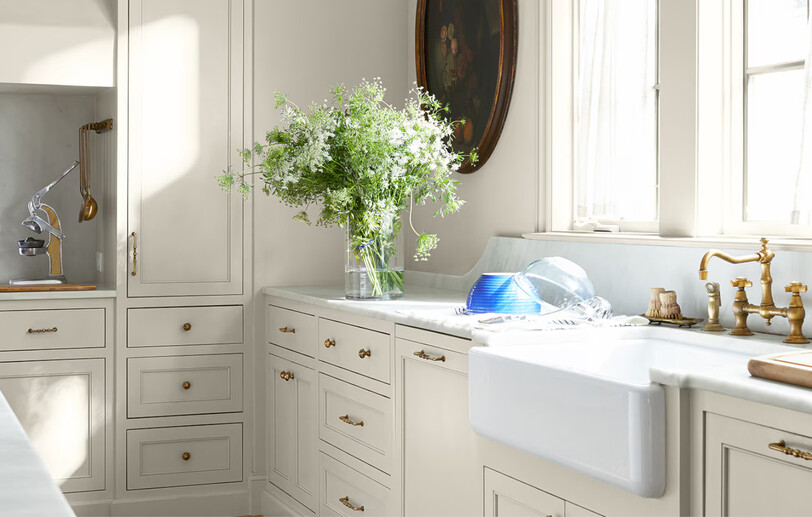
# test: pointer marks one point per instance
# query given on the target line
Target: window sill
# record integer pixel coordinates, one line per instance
(748, 243)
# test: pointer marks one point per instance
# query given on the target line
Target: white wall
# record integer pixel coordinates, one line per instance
(39, 137)
(502, 196)
(303, 48)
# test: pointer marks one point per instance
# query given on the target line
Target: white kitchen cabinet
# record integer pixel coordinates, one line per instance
(186, 75)
(292, 453)
(508, 497)
(61, 406)
(441, 470)
(745, 477)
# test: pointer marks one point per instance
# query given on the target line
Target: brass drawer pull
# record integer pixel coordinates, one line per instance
(781, 446)
(364, 353)
(346, 420)
(41, 331)
(423, 355)
(286, 376)
(287, 330)
(187, 327)
(186, 456)
(135, 254)
(346, 502)
(186, 385)
(329, 342)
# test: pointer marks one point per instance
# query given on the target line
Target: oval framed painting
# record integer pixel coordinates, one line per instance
(466, 57)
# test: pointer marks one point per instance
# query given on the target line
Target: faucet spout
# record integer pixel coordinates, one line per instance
(703, 265)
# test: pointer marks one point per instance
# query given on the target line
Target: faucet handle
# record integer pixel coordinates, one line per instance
(795, 287)
(741, 282)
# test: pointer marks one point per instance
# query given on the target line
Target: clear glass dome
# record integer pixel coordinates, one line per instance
(555, 283)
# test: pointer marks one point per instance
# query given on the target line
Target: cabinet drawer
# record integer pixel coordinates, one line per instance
(344, 491)
(172, 326)
(291, 329)
(181, 456)
(357, 421)
(184, 385)
(52, 329)
(357, 349)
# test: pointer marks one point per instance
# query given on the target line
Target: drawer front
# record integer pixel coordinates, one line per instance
(184, 385)
(173, 326)
(52, 329)
(356, 421)
(291, 329)
(354, 348)
(182, 456)
(344, 491)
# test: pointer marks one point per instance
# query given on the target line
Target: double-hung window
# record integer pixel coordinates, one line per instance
(736, 122)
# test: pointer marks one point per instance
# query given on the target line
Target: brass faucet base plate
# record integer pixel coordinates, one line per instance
(741, 332)
(713, 327)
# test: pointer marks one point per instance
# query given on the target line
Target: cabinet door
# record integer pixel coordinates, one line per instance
(744, 477)
(60, 404)
(186, 124)
(508, 497)
(441, 471)
(292, 456)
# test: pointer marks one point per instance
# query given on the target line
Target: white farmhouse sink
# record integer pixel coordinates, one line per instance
(583, 398)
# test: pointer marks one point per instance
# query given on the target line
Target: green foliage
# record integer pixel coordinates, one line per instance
(359, 158)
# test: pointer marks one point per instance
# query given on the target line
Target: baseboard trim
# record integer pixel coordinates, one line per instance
(276, 503)
(220, 504)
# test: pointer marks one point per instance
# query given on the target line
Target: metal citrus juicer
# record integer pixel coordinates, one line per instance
(31, 247)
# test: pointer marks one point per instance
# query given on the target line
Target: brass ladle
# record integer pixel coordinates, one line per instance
(89, 207)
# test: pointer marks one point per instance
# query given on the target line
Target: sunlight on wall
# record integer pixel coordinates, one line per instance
(171, 52)
(53, 410)
(86, 60)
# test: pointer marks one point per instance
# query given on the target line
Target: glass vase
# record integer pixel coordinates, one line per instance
(374, 266)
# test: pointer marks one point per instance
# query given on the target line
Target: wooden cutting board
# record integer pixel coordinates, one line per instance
(789, 367)
(45, 288)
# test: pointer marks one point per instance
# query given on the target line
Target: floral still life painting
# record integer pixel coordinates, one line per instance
(466, 58)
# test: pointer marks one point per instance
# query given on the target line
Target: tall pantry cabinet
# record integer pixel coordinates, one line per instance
(184, 367)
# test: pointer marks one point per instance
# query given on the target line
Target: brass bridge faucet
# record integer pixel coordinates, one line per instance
(742, 308)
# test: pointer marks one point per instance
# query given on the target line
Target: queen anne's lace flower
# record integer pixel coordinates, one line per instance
(359, 158)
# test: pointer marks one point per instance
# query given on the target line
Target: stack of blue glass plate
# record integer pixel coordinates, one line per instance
(499, 293)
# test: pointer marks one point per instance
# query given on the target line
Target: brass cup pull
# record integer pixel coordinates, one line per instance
(329, 342)
(135, 253)
(42, 331)
(286, 376)
(346, 502)
(186, 456)
(346, 420)
(423, 355)
(186, 385)
(364, 353)
(287, 330)
(187, 327)
(781, 446)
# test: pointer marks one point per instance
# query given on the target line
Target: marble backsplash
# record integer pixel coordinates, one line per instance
(623, 274)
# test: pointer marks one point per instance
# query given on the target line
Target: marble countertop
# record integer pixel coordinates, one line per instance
(433, 308)
(57, 295)
(26, 488)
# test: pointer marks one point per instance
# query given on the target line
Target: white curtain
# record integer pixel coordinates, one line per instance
(615, 111)
(802, 207)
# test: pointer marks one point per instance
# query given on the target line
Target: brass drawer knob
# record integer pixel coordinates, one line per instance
(346, 420)
(781, 446)
(42, 331)
(364, 353)
(329, 342)
(346, 502)
(287, 330)
(186, 385)
(286, 376)
(186, 456)
(423, 355)
(187, 327)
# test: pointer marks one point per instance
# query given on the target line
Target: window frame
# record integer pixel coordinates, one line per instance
(700, 167)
